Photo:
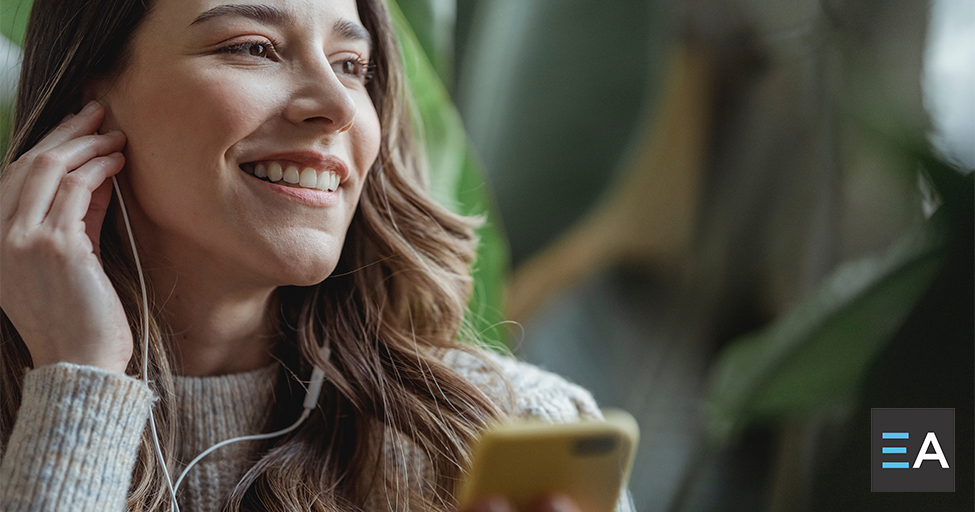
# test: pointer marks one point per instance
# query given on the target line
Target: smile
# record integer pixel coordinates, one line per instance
(293, 175)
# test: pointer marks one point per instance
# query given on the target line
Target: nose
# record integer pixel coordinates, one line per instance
(321, 100)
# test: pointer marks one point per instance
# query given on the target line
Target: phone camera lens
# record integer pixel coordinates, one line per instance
(597, 445)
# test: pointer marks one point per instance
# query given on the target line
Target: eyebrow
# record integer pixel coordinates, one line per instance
(351, 30)
(262, 13)
(269, 15)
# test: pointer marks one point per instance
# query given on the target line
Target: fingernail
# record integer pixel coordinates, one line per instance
(89, 108)
(559, 503)
(493, 504)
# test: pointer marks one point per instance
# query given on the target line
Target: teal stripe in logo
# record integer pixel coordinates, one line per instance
(895, 449)
(895, 435)
(896, 465)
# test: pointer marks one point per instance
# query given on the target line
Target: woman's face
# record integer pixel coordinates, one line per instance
(215, 95)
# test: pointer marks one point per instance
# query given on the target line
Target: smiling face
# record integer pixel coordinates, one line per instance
(220, 99)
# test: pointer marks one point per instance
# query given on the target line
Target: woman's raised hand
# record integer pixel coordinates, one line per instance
(53, 201)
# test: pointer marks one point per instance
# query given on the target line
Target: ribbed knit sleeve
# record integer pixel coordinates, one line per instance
(75, 441)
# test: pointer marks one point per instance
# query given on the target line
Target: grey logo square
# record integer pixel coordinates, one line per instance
(912, 450)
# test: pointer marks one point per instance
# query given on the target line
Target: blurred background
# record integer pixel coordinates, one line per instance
(747, 222)
(717, 214)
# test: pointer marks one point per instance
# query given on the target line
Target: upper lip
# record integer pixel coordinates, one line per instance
(304, 158)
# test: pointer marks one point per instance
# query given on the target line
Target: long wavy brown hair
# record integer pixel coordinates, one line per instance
(395, 302)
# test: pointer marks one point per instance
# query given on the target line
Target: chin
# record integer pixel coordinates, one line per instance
(304, 259)
(308, 275)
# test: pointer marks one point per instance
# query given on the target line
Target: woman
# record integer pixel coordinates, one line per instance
(265, 157)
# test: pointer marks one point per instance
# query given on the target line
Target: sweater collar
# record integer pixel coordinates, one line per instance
(214, 409)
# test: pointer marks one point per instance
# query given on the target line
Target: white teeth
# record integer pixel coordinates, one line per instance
(291, 174)
(328, 181)
(274, 172)
(308, 178)
(323, 180)
(305, 178)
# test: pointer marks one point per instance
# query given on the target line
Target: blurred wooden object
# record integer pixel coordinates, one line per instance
(648, 217)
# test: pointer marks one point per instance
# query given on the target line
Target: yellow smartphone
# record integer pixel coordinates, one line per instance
(589, 461)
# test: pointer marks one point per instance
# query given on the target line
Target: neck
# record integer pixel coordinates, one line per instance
(218, 326)
(221, 322)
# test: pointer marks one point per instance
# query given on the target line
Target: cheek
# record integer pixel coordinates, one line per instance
(366, 137)
(165, 123)
(177, 141)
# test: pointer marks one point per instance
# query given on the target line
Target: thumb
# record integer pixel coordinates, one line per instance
(556, 503)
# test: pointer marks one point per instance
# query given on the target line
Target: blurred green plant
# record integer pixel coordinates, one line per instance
(13, 19)
(456, 179)
(817, 355)
(432, 23)
(13, 24)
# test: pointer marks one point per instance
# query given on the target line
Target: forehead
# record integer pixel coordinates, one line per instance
(293, 14)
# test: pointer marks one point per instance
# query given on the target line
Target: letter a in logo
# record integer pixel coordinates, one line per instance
(923, 455)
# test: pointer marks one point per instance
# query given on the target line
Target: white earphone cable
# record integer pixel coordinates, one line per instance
(272, 435)
(145, 338)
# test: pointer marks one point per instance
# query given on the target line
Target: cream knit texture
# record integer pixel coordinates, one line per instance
(77, 433)
(214, 409)
(75, 441)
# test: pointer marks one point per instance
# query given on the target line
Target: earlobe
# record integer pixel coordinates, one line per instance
(109, 123)
(99, 91)
(94, 90)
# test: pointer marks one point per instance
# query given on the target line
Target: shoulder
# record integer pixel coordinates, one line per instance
(523, 389)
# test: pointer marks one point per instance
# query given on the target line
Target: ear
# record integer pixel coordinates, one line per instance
(100, 90)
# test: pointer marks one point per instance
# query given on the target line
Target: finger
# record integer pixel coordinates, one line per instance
(492, 504)
(97, 208)
(50, 167)
(556, 503)
(85, 123)
(75, 191)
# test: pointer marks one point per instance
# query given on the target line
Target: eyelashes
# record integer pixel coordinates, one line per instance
(353, 66)
(259, 49)
(356, 67)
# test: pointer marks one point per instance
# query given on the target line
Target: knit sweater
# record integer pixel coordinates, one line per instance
(76, 438)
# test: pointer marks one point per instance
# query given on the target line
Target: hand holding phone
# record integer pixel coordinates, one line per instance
(589, 462)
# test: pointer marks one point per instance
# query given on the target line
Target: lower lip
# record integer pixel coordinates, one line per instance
(306, 196)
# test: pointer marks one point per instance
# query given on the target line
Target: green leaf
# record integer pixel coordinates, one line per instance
(13, 26)
(433, 24)
(456, 180)
(13, 19)
(816, 355)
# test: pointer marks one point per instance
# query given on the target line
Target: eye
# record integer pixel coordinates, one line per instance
(258, 49)
(355, 67)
